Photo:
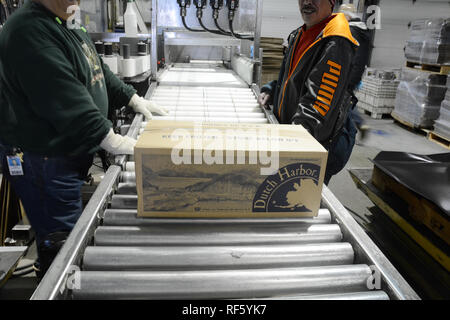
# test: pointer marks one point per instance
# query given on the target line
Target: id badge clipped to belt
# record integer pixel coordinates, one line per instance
(15, 165)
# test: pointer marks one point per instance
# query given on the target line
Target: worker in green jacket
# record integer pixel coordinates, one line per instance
(55, 94)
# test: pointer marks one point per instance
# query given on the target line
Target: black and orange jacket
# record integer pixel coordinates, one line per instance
(312, 94)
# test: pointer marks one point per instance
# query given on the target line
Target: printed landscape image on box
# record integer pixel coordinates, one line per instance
(187, 169)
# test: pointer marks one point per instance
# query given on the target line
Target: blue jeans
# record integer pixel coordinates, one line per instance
(341, 149)
(50, 190)
(357, 119)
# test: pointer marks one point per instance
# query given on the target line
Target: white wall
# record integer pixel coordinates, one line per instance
(280, 18)
(395, 16)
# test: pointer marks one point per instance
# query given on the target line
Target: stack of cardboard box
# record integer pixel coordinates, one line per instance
(273, 55)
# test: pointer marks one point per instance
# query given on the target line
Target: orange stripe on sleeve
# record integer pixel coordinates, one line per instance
(324, 87)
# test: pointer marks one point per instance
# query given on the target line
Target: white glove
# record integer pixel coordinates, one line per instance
(146, 107)
(117, 144)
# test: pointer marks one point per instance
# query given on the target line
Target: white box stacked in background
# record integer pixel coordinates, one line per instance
(378, 92)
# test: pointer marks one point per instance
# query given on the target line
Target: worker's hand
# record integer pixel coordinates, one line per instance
(146, 107)
(263, 99)
(117, 144)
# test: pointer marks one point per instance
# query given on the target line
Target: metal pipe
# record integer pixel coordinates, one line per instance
(227, 284)
(124, 201)
(215, 235)
(231, 109)
(130, 166)
(154, 42)
(367, 295)
(126, 188)
(123, 217)
(215, 258)
(128, 176)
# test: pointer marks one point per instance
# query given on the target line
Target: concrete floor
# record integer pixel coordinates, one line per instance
(384, 135)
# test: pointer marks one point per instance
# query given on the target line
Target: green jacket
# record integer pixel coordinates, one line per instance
(55, 90)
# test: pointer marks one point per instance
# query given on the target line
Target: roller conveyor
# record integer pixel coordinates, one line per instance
(215, 235)
(214, 104)
(116, 255)
(203, 75)
(215, 257)
(125, 217)
(221, 284)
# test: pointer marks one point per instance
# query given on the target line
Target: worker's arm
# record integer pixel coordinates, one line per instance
(119, 93)
(361, 58)
(319, 108)
(57, 96)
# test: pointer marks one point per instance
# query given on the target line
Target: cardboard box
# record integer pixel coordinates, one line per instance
(192, 169)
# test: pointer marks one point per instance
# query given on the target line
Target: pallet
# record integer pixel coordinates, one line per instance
(395, 208)
(444, 70)
(377, 116)
(420, 209)
(410, 126)
(375, 112)
(439, 139)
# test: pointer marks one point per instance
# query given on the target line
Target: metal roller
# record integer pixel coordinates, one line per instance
(233, 109)
(367, 295)
(212, 119)
(182, 118)
(215, 258)
(120, 217)
(251, 120)
(214, 109)
(128, 177)
(226, 284)
(130, 166)
(126, 189)
(238, 114)
(213, 114)
(190, 114)
(124, 201)
(206, 89)
(204, 93)
(207, 104)
(200, 94)
(189, 235)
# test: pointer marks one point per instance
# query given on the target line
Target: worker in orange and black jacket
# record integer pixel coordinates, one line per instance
(312, 88)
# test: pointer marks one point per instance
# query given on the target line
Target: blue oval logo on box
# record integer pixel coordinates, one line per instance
(288, 190)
